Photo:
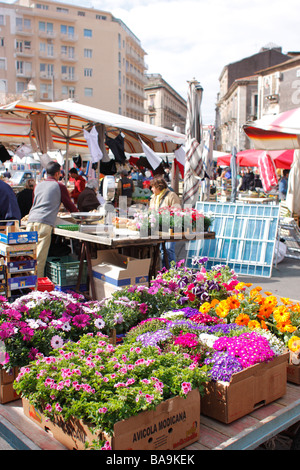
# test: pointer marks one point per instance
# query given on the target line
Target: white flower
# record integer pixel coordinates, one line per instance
(207, 339)
(34, 324)
(99, 323)
(56, 342)
(66, 326)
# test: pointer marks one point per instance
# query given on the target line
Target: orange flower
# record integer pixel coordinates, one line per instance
(233, 302)
(285, 301)
(223, 309)
(214, 302)
(265, 311)
(242, 319)
(263, 325)
(268, 293)
(271, 300)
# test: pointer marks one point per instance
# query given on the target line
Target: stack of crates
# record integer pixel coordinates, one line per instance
(64, 271)
(18, 259)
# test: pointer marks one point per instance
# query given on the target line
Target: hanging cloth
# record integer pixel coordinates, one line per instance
(42, 133)
(92, 141)
(267, 172)
(4, 155)
(117, 147)
(151, 156)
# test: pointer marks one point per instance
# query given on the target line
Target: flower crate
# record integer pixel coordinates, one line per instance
(248, 390)
(173, 425)
(293, 368)
(7, 392)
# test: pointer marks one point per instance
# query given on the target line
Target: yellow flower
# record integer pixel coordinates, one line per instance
(242, 319)
(294, 344)
(271, 300)
(285, 300)
(214, 302)
(204, 308)
(233, 302)
(281, 314)
(253, 324)
(222, 309)
(240, 286)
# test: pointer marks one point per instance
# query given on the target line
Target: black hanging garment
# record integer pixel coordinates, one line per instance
(4, 155)
(117, 147)
(78, 161)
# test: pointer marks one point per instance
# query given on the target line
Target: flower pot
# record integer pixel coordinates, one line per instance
(7, 392)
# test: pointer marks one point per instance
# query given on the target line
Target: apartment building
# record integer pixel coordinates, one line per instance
(238, 99)
(64, 51)
(164, 107)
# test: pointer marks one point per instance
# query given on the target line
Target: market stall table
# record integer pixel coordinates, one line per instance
(246, 433)
(122, 240)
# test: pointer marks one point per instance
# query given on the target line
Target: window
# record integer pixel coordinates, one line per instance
(2, 64)
(1, 42)
(23, 24)
(88, 53)
(101, 17)
(68, 52)
(20, 87)
(88, 72)
(2, 20)
(88, 92)
(67, 30)
(68, 91)
(87, 33)
(41, 6)
(62, 10)
(45, 27)
(81, 13)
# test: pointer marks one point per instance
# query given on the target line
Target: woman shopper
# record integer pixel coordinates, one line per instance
(163, 196)
(87, 200)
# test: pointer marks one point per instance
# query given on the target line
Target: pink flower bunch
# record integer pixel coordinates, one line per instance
(249, 348)
(188, 340)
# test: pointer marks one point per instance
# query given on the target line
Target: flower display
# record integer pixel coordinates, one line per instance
(40, 322)
(178, 219)
(102, 384)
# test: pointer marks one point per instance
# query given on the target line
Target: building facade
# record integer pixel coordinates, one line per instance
(238, 99)
(164, 107)
(71, 52)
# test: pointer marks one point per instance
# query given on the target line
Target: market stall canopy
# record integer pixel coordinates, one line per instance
(275, 132)
(68, 120)
(282, 158)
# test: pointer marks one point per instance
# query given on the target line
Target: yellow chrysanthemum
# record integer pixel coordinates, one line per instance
(253, 324)
(281, 314)
(289, 328)
(240, 286)
(285, 300)
(285, 327)
(222, 309)
(271, 300)
(294, 344)
(242, 319)
(204, 308)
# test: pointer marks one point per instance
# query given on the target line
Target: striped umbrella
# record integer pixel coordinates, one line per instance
(194, 169)
(276, 132)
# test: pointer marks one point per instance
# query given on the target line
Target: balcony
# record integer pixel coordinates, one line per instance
(46, 76)
(28, 75)
(47, 34)
(69, 37)
(45, 56)
(21, 31)
(69, 78)
(68, 58)
(24, 53)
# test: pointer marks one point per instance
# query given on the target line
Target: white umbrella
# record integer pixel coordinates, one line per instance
(194, 169)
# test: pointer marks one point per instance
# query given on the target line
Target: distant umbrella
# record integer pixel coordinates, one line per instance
(194, 169)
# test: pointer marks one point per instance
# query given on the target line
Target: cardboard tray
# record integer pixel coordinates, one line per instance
(173, 425)
(248, 390)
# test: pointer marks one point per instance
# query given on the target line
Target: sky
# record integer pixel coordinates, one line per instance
(196, 38)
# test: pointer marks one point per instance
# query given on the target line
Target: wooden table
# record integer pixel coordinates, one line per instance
(117, 242)
(252, 430)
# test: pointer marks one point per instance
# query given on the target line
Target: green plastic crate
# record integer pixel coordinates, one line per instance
(64, 271)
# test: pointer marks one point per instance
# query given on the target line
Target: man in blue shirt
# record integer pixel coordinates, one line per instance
(9, 207)
(283, 185)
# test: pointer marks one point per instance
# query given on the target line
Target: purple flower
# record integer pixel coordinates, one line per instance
(81, 320)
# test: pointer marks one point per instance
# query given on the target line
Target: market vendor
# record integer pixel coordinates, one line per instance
(48, 196)
(163, 196)
(87, 199)
(79, 184)
(125, 188)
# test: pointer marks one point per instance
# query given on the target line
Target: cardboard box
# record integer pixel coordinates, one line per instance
(21, 266)
(112, 271)
(248, 390)
(21, 282)
(293, 374)
(173, 425)
(12, 235)
(7, 392)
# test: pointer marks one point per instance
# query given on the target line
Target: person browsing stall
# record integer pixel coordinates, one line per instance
(79, 184)
(87, 200)
(9, 208)
(125, 187)
(48, 196)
